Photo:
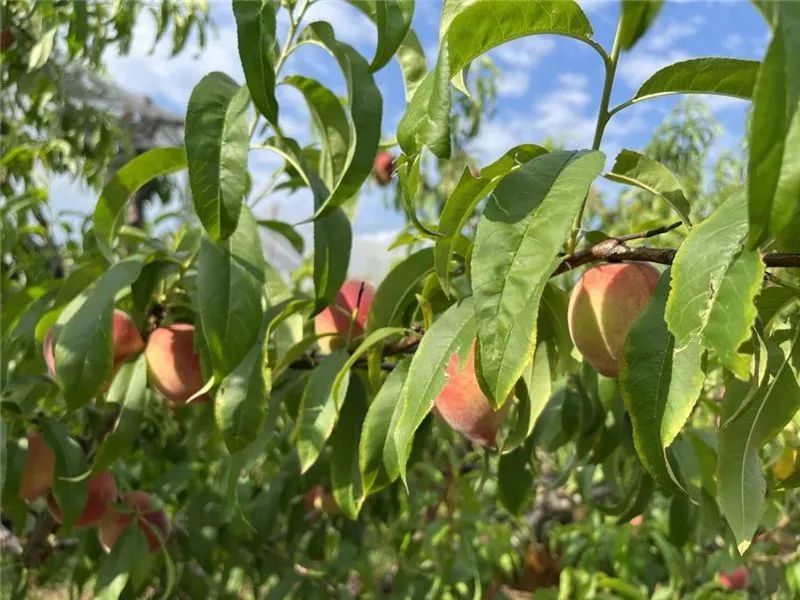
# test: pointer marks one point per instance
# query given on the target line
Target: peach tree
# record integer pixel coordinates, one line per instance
(179, 417)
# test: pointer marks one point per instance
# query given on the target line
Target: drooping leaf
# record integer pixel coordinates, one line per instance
(366, 106)
(331, 123)
(255, 32)
(83, 350)
(453, 332)
(724, 76)
(377, 456)
(69, 488)
(129, 392)
(468, 30)
(345, 474)
(230, 278)
(318, 410)
(393, 21)
(397, 290)
(115, 568)
(714, 283)
(773, 175)
(413, 66)
(109, 212)
(532, 393)
(519, 237)
(660, 385)
(287, 231)
(240, 406)
(742, 486)
(217, 145)
(461, 203)
(638, 170)
(637, 16)
(515, 479)
(772, 300)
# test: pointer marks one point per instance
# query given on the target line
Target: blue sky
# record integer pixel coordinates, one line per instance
(549, 87)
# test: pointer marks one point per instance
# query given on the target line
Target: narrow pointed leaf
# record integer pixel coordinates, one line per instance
(515, 480)
(714, 283)
(255, 32)
(109, 213)
(724, 76)
(464, 198)
(318, 409)
(393, 20)
(741, 485)
(519, 237)
(217, 146)
(637, 16)
(230, 278)
(453, 332)
(69, 488)
(398, 289)
(659, 385)
(83, 351)
(635, 169)
(412, 61)
(345, 474)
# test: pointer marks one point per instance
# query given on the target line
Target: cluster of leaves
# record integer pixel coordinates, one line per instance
(710, 374)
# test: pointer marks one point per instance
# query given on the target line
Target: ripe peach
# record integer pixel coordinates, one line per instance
(102, 492)
(173, 366)
(336, 318)
(318, 500)
(603, 306)
(463, 405)
(637, 521)
(144, 512)
(384, 168)
(126, 341)
(734, 580)
(6, 38)
(39, 469)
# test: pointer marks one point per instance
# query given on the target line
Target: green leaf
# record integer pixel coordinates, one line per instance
(377, 456)
(519, 237)
(287, 231)
(515, 480)
(83, 352)
(217, 144)
(461, 204)
(366, 106)
(42, 49)
(468, 30)
(714, 284)
(109, 213)
(774, 166)
(413, 65)
(393, 20)
(723, 76)
(634, 169)
(453, 332)
(129, 391)
(255, 32)
(741, 486)
(659, 385)
(772, 300)
(69, 488)
(637, 16)
(330, 121)
(318, 409)
(532, 393)
(115, 568)
(345, 475)
(230, 278)
(397, 291)
(240, 406)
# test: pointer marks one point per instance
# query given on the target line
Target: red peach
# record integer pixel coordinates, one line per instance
(318, 500)
(463, 405)
(336, 319)
(734, 580)
(102, 492)
(384, 168)
(144, 512)
(603, 306)
(39, 469)
(173, 366)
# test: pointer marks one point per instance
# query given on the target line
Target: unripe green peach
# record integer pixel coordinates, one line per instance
(102, 490)
(337, 318)
(463, 405)
(144, 512)
(603, 306)
(173, 366)
(39, 469)
(127, 341)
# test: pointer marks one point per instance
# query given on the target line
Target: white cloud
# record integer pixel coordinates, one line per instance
(733, 42)
(637, 67)
(514, 83)
(665, 36)
(524, 52)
